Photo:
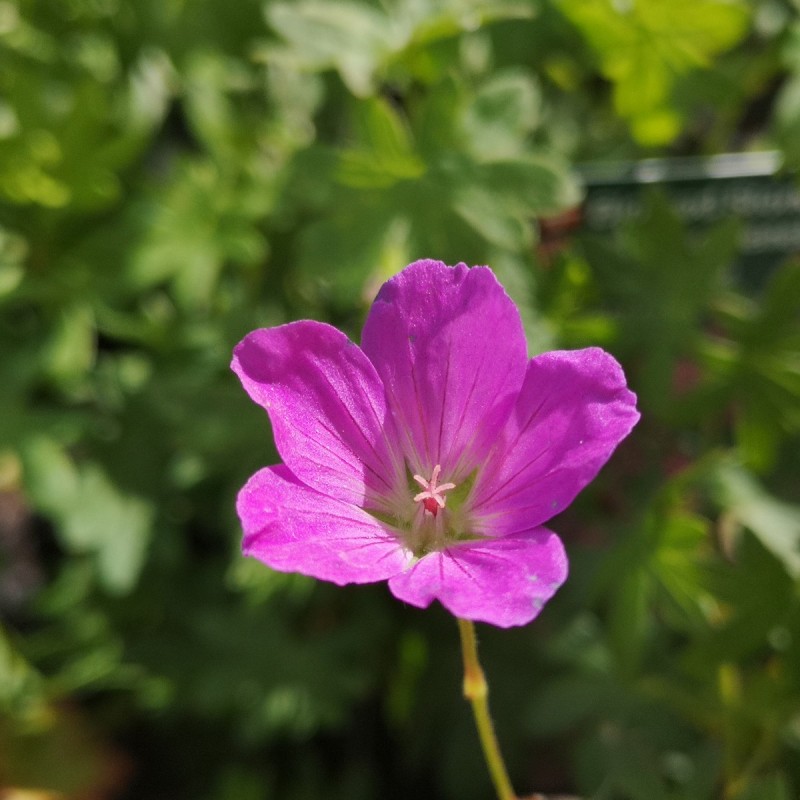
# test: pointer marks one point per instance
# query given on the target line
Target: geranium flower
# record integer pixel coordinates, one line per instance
(431, 455)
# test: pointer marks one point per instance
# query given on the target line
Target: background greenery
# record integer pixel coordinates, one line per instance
(174, 173)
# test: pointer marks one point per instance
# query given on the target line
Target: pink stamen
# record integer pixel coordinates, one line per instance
(432, 498)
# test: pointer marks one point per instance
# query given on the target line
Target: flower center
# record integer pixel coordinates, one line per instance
(432, 498)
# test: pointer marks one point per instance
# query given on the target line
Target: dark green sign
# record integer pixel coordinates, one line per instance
(747, 186)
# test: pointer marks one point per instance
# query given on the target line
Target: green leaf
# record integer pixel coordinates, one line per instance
(385, 154)
(757, 435)
(679, 566)
(71, 350)
(772, 787)
(351, 37)
(204, 220)
(776, 524)
(92, 516)
(501, 115)
(629, 619)
(478, 206)
(643, 47)
(500, 199)
(22, 688)
(13, 250)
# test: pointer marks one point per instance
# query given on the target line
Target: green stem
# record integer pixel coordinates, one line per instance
(476, 691)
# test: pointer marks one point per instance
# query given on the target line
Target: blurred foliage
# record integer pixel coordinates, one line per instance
(175, 174)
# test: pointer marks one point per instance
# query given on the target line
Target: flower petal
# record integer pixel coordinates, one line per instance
(449, 346)
(326, 404)
(504, 582)
(293, 528)
(572, 412)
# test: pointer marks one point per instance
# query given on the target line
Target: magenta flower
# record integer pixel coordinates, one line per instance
(431, 455)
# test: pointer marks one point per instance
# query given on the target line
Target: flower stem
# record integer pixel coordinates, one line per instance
(476, 691)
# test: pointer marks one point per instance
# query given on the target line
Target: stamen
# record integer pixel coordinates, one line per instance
(432, 498)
